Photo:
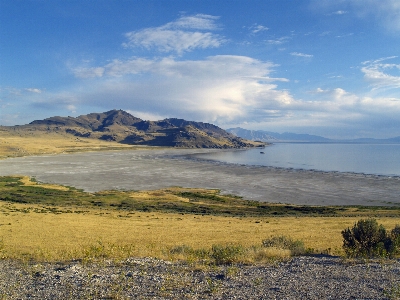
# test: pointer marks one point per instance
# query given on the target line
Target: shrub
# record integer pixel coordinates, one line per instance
(395, 240)
(223, 255)
(287, 243)
(368, 239)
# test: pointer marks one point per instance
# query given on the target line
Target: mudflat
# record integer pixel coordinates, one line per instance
(154, 169)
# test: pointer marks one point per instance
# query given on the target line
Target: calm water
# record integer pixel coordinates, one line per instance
(379, 159)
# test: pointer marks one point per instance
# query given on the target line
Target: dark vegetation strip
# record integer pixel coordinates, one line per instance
(205, 202)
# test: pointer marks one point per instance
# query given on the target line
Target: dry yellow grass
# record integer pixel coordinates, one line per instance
(32, 231)
(26, 180)
(24, 143)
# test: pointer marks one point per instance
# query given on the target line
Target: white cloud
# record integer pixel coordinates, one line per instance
(279, 41)
(183, 35)
(225, 90)
(377, 73)
(147, 115)
(340, 12)
(220, 65)
(345, 35)
(71, 108)
(88, 72)
(199, 21)
(258, 28)
(337, 110)
(218, 88)
(33, 90)
(351, 105)
(269, 79)
(301, 54)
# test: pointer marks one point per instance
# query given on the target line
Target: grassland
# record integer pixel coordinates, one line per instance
(49, 222)
(15, 143)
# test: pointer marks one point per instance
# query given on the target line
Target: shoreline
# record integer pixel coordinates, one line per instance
(282, 162)
(161, 168)
(192, 157)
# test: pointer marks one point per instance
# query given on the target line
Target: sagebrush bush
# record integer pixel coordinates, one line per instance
(395, 240)
(218, 254)
(296, 247)
(369, 239)
(223, 255)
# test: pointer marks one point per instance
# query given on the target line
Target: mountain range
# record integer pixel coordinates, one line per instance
(271, 137)
(122, 127)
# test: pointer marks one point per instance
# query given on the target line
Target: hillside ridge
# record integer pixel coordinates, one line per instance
(122, 127)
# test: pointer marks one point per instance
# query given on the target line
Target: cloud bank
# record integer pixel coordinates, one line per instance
(217, 89)
(227, 89)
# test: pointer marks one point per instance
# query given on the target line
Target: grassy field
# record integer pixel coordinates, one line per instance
(14, 143)
(47, 222)
(53, 223)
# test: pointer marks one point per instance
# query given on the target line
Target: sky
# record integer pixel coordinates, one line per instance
(330, 68)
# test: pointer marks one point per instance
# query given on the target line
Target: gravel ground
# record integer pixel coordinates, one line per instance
(145, 278)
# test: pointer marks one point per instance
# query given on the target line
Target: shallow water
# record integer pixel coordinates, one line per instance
(154, 169)
(378, 159)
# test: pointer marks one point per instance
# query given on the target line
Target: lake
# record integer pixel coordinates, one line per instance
(378, 159)
(163, 168)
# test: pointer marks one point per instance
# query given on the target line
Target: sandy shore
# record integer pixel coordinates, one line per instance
(153, 169)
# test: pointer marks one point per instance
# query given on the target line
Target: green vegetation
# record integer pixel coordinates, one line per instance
(46, 222)
(283, 242)
(368, 239)
(172, 200)
(217, 255)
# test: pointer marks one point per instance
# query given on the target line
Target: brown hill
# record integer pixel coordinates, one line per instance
(122, 127)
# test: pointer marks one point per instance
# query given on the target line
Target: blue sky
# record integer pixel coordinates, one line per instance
(322, 67)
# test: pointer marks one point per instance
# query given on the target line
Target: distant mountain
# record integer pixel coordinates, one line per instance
(268, 136)
(122, 127)
(254, 135)
(395, 140)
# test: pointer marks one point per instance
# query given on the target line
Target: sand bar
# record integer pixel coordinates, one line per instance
(153, 169)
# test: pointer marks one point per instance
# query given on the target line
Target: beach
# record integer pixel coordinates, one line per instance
(154, 169)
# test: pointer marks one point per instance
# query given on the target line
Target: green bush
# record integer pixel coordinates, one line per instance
(287, 243)
(218, 254)
(395, 240)
(223, 255)
(368, 239)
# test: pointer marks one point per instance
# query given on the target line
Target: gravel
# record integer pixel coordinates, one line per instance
(145, 278)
